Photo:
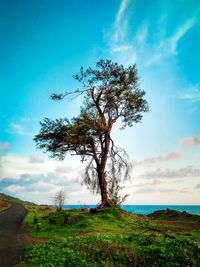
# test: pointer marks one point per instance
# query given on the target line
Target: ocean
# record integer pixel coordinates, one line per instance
(146, 209)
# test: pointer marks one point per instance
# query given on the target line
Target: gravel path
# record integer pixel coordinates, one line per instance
(11, 233)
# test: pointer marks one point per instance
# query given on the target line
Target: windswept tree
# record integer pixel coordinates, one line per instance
(59, 199)
(111, 94)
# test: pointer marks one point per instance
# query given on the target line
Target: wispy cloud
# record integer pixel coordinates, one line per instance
(153, 183)
(171, 156)
(122, 8)
(190, 141)
(168, 46)
(150, 190)
(189, 171)
(120, 48)
(142, 34)
(192, 94)
(139, 47)
(18, 129)
(180, 32)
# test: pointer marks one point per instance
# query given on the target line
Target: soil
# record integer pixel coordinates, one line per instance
(176, 226)
(11, 234)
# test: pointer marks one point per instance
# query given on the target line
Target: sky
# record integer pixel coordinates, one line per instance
(44, 43)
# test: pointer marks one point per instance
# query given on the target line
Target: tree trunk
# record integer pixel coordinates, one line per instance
(105, 202)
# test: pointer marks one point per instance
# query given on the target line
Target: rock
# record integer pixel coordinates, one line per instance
(72, 219)
(85, 209)
(93, 210)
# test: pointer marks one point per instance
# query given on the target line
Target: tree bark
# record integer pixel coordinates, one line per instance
(105, 202)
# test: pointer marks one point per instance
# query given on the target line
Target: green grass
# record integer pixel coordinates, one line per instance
(107, 220)
(110, 237)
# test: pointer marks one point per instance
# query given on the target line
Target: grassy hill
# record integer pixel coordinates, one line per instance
(111, 237)
(9, 198)
(6, 199)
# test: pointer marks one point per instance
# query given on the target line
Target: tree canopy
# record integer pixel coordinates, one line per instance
(111, 93)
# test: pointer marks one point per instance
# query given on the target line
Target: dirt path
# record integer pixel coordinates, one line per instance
(11, 232)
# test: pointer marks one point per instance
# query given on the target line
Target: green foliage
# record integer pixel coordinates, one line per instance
(115, 250)
(166, 252)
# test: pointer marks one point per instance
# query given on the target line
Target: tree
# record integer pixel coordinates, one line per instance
(59, 199)
(111, 94)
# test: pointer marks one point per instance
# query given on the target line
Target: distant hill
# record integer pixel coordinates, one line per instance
(6, 199)
(169, 214)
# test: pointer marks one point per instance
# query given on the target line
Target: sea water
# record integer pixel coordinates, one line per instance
(146, 209)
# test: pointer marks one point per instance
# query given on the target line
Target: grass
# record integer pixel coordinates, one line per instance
(110, 237)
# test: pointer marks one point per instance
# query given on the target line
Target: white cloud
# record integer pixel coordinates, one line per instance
(15, 165)
(15, 189)
(4, 146)
(64, 169)
(35, 158)
(42, 186)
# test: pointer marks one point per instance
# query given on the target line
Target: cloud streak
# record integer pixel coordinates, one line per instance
(150, 48)
(169, 157)
(190, 141)
(189, 171)
(168, 46)
(192, 94)
(122, 8)
(17, 129)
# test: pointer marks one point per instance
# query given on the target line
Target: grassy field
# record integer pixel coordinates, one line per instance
(112, 237)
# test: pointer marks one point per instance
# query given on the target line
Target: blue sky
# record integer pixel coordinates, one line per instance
(43, 43)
